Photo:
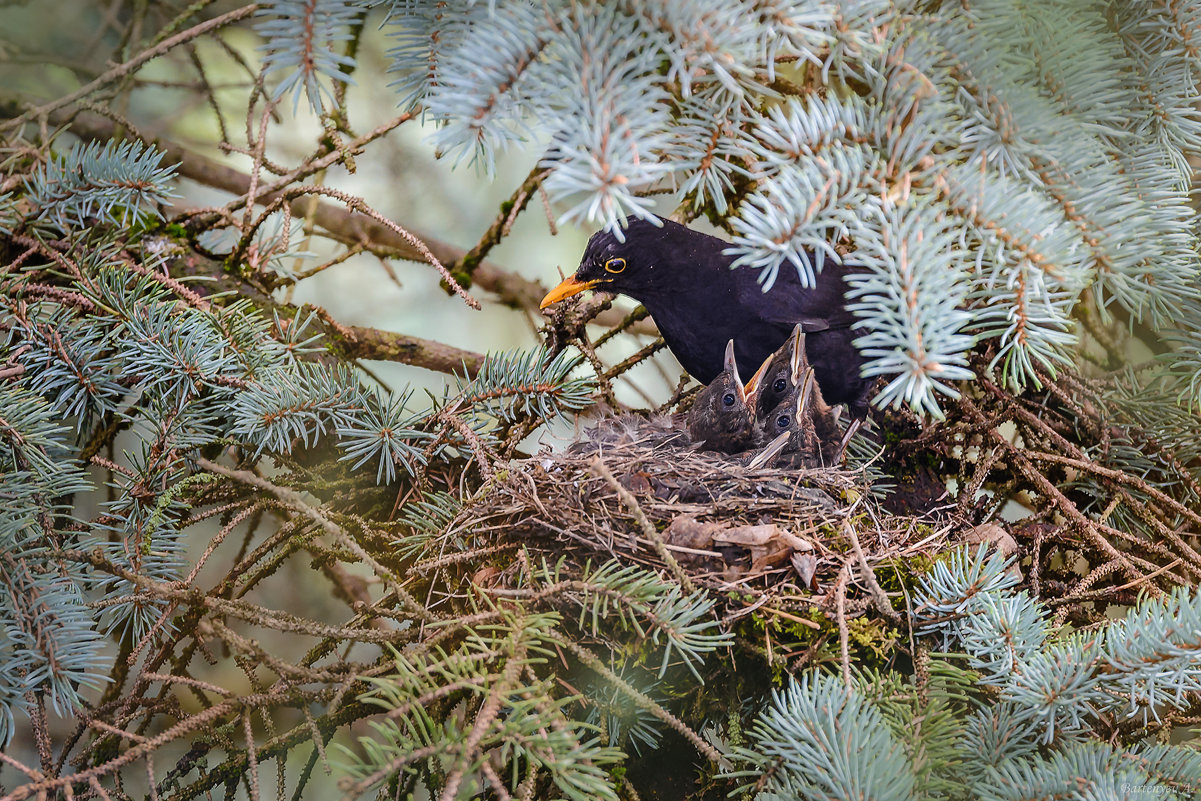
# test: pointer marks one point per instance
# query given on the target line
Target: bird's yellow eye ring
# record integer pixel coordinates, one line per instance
(615, 265)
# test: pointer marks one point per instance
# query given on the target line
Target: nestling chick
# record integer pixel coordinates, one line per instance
(722, 417)
(774, 377)
(803, 414)
(792, 416)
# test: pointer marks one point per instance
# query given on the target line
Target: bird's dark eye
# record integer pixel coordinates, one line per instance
(615, 265)
(728, 399)
(782, 421)
(780, 385)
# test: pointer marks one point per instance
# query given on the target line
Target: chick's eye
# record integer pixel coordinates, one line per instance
(782, 421)
(780, 385)
(615, 265)
(728, 399)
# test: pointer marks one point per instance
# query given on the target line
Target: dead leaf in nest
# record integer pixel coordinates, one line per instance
(797, 543)
(636, 483)
(750, 536)
(485, 576)
(994, 535)
(766, 543)
(688, 532)
(805, 566)
(743, 548)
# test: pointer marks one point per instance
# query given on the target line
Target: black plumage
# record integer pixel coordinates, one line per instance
(683, 277)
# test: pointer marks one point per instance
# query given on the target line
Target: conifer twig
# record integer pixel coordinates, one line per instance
(840, 614)
(641, 699)
(297, 502)
(869, 575)
(631, 503)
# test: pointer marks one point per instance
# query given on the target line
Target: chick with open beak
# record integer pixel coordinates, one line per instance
(722, 417)
(801, 413)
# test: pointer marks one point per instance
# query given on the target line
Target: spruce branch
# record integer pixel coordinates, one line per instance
(297, 502)
(117, 183)
(803, 749)
(982, 197)
(377, 344)
(513, 713)
(642, 700)
(346, 225)
(647, 605)
(527, 384)
(132, 65)
(300, 40)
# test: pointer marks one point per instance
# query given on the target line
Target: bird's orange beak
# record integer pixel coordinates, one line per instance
(752, 386)
(570, 286)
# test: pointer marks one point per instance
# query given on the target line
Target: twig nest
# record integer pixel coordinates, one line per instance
(728, 525)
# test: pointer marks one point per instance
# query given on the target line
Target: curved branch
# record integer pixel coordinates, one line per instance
(350, 227)
(131, 66)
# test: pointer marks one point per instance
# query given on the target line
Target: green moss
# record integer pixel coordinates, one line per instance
(466, 266)
(734, 733)
(894, 575)
(785, 633)
(874, 636)
(462, 278)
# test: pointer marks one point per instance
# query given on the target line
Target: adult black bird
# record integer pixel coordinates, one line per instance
(683, 277)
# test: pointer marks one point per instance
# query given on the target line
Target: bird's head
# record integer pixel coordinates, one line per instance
(631, 266)
(796, 387)
(722, 414)
(792, 413)
(780, 373)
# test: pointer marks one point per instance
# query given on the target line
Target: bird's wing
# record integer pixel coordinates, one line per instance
(816, 308)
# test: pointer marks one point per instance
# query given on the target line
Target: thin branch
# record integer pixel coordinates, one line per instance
(373, 343)
(840, 614)
(296, 501)
(600, 469)
(347, 226)
(869, 576)
(122, 70)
